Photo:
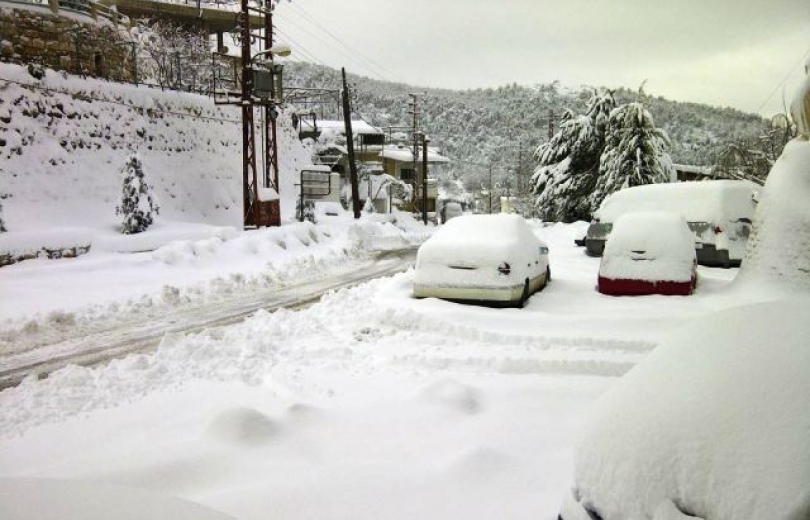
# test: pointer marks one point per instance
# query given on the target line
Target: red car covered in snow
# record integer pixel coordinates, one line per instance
(649, 252)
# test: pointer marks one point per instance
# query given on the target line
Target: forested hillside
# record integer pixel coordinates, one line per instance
(483, 125)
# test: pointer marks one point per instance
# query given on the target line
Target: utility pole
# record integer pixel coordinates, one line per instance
(550, 124)
(271, 148)
(425, 142)
(490, 188)
(249, 173)
(248, 94)
(520, 184)
(347, 117)
(413, 110)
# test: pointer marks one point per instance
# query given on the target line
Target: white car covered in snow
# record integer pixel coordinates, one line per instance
(649, 252)
(492, 258)
(712, 425)
(719, 213)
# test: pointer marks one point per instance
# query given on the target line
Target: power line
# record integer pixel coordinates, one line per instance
(782, 83)
(354, 52)
(336, 38)
(298, 47)
(349, 55)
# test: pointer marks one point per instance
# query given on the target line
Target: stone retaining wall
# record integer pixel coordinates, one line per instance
(64, 39)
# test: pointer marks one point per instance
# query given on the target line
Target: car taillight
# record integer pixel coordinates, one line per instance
(718, 229)
(505, 268)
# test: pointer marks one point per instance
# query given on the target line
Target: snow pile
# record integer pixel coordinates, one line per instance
(649, 245)
(715, 202)
(779, 249)
(64, 140)
(715, 420)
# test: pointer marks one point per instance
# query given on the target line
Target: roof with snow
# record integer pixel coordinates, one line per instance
(358, 127)
(689, 168)
(403, 154)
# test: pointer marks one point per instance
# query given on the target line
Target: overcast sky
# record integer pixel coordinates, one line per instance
(722, 52)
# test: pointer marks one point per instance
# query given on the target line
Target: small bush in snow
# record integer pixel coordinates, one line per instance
(2, 222)
(36, 70)
(138, 206)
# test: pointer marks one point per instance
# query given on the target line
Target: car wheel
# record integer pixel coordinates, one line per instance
(525, 296)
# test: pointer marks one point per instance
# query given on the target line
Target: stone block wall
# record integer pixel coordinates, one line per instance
(64, 39)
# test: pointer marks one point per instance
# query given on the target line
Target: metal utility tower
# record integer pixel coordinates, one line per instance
(260, 86)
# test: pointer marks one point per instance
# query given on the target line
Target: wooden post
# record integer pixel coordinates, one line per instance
(347, 117)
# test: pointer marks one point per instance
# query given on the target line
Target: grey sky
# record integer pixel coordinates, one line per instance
(721, 52)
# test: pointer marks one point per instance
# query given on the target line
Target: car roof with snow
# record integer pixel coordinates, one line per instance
(487, 235)
(706, 201)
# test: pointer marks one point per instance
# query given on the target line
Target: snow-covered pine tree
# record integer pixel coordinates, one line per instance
(635, 152)
(568, 163)
(138, 206)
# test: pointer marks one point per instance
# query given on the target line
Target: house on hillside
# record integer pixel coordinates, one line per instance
(388, 176)
(398, 162)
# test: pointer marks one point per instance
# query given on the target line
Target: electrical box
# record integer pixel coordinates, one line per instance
(268, 81)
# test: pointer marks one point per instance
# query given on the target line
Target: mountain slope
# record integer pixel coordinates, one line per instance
(484, 125)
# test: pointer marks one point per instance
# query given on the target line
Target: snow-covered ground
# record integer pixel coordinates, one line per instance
(369, 404)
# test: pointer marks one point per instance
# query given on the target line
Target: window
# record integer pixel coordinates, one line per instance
(407, 174)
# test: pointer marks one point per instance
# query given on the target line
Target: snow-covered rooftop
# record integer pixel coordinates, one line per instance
(358, 127)
(690, 168)
(402, 154)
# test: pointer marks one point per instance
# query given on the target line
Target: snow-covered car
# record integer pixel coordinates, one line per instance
(493, 258)
(712, 425)
(649, 252)
(719, 214)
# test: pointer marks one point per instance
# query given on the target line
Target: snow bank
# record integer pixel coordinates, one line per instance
(779, 248)
(52, 499)
(715, 420)
(649, 245)
(709, 201)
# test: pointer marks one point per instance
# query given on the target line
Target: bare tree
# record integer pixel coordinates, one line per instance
(175, 56)
(752, 159)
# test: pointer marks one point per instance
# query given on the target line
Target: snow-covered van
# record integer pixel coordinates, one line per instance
(719, 213)
(492, 258)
